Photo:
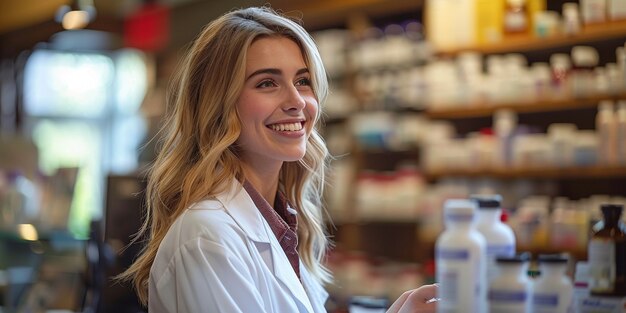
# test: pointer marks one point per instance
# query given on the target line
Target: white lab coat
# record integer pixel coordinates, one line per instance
(221, 256)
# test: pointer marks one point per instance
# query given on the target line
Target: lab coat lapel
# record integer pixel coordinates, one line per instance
(314, 289)
(240, 206)
(286, 275)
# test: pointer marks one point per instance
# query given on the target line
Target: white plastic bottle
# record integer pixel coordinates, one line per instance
(581, 286)
(593, 11)
(553, 291)
(505, 123)
(606, 127)
(511, 290)
(616, 9)
(460, 260)
(445, 35)
(621, 132)
(499, 237)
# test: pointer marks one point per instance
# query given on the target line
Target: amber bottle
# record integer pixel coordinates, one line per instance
(607, 254)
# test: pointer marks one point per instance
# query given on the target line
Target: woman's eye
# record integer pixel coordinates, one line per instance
(266, 84)
(303, 82)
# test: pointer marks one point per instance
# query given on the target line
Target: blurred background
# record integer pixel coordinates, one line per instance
(430, 100)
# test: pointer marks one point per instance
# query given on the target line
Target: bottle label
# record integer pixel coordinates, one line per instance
(545, 302)
(452, 254)
(602, 305)
(601, 265)
(508, 296)
(460, 217)
(448, 286)
(501, 250)
(503, 301)
(459, 280)
(494, 251)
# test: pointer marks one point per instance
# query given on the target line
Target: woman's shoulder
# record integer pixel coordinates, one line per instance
(207, 220)
(203, 229)
(203, 224)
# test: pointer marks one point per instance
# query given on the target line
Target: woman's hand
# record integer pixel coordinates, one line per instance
(420, 300)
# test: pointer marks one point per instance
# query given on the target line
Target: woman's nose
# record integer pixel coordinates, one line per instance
(293, 100)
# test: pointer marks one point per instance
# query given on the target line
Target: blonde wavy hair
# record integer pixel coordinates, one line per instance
(198, 156)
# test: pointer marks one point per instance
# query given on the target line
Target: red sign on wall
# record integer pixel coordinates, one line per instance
(148, 29)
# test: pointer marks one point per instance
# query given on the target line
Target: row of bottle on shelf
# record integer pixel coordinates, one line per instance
(357, 275)
(491, 21)
(462, 82)
(466, 80)
(477, 268)
(538, 220)
(477, 252)
(506, 145)
(509, 79)
(509, 145)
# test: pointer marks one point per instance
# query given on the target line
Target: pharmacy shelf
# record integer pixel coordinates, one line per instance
(322, 14)
(576, 253)
(589, 33)
(546, 105)
(537, 172)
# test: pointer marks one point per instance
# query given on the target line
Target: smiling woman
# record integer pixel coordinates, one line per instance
(235, 219)
(277, 108)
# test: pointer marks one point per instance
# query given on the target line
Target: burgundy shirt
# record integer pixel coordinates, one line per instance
(283, 222)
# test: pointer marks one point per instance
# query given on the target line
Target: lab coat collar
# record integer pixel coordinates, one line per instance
(240, 206)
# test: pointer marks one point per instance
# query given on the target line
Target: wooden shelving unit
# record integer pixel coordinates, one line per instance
(576, 253)
(328, 13)
(609, 30)
(538, 172)
(545, 105)
(361, 233)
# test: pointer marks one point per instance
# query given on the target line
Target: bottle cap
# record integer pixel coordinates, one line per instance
(518, 258)
(459, 210)
(487, 201)
(570, 9)
(585, 56)
(560, 61)
(552, 258)
(612, 209)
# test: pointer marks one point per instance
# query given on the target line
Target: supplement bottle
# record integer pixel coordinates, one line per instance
(511, 290)
(581, 285)
(516, 17)
(553, 291)
(499, 237)
(460, 261)
(621, 132)
(606, 126)
(607, 254)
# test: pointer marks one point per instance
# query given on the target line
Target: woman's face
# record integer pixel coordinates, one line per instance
(277, 106)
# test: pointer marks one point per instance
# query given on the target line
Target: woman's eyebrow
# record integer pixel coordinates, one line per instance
(302, 71)
(272, 71)
(275, 71)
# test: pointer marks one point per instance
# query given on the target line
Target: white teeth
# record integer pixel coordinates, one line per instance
(286, 127)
